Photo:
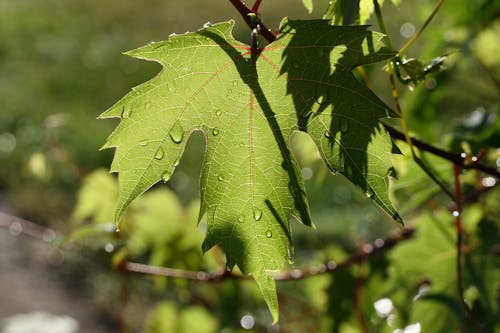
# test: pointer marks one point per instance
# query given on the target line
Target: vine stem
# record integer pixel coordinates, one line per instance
(360, 281)
(244, 11)
(368, 250)
(458, 224)
(459, 229)
(419, 32)
(455, 158)
(256, 6)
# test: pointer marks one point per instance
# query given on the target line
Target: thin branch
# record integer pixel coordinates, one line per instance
(360, 281)
(256, 5)
(419, 32)
(380, 20)
(455, 158)
(244, 11)
(458, 224)
(17, 226)
(368, 250)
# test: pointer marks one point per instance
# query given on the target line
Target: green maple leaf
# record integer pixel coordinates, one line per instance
(247, 106)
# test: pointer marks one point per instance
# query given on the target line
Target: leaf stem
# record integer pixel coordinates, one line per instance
(419, 32)
(244, 11)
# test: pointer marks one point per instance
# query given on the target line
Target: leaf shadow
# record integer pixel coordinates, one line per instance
(327, 96)
(247, 70)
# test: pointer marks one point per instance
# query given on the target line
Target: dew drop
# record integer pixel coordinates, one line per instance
(327, 134)
(176, 133)
(369, 192)
(220, 178)
(455, 213)
(126, 112)
(215, 132)
(241, 218)
(176, 162)
(257, 214)
(344, 124)
(159, 153)
(218, 112)
(166, 176)
(269, 234)
(143, 143)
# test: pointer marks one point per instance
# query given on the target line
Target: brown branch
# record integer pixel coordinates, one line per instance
(455, 158)
(295, 274)
(17, 226)
(245, 11)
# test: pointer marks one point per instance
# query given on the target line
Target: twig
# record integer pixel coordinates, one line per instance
(244, 11)
(458, 224)
(17, 226)
(419, 32)
(360, 280)
(457, 159)
(296, 274)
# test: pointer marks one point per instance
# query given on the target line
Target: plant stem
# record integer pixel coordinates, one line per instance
(449, 156)
(244, 11)
(256, 6)
(380, 20)
(419, 32)
(458, 225)
(360, 280)
(368, 250)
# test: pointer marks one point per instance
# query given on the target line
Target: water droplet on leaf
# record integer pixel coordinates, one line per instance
(220, 178)
(143, 143)
(369, 192)
(176, 162)
(159, 153)
(257, 214)
(215, 132)
(176, 133)
(218, 112)
(241, 218)
(269, 234)
(328, 135)
(166, 176)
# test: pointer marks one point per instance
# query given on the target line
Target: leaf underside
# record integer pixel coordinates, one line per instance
(247, 106)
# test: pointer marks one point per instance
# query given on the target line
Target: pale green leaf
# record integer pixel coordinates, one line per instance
(248, 107)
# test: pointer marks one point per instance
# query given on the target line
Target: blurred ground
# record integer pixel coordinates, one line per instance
(30, 282)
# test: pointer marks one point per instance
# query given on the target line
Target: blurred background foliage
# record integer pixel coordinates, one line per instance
(60, 67)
